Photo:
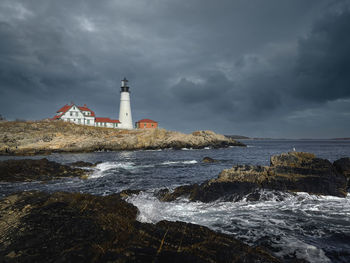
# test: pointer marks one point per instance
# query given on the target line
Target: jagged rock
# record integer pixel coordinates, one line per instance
(36, 170)
(343, 166)
(83, 164)
(128, 192)
(294, 171)
(74, 227)
(209, 160)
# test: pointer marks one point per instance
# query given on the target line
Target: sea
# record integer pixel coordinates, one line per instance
(309, 227)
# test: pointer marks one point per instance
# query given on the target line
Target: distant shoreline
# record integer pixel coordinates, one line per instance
(240, 137)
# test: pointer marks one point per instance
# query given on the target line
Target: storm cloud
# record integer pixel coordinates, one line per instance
(273, 68)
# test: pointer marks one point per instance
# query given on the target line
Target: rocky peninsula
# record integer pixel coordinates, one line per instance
(292, 172)
(45, 137)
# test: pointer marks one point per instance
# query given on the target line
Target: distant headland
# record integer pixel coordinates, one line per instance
(45, 137)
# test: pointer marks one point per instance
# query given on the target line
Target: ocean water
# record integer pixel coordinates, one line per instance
(309, 227)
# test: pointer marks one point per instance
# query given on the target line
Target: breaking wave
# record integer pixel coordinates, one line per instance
(179, 162)
(107, 168)
(294, 227)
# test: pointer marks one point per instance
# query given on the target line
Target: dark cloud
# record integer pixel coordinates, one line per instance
(323, 66)
(259, 68)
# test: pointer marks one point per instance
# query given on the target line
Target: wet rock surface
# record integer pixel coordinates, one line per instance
(83, 164)
(294, 171)
(343, 166)
(74, 227)
(209, 160)
(36, 170)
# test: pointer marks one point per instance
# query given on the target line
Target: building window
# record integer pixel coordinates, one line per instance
(88, 121)
(76, 114)
(105, 124)
(79, 121)
(71, 113)
(68, 119)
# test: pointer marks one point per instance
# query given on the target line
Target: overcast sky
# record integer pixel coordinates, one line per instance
(272, 68)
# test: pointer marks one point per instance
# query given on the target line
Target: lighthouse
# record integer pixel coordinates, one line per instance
(125, 108)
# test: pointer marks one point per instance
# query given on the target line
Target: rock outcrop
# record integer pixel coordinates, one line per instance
(83, 164)
(209, 160)
(36, 170)
(74, 227)
(29, 138)
(294, 172)
(343, 166)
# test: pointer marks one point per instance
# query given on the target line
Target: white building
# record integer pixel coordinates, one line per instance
(83, 115)
(125, 109)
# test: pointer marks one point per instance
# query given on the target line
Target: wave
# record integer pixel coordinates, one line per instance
(103, 169)
(179, 162)
(293, 226)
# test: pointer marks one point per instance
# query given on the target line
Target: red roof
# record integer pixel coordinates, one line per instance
(102, 119)
(66, 107)
(85, 108)
(56, 117)
(147, 121)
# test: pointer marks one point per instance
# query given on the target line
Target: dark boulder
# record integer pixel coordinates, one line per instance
(36, 170)
(303, 172)
(209, 160)
(343, 166)
(74, 227)
(294, 172)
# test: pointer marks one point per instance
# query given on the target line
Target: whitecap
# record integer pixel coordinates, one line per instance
(103, 168)
(179, 162)
(279, 220)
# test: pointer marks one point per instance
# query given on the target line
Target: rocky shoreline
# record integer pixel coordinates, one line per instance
(46, 227)
(292, 172)
(45, 137)
(39, 170)
(74, 227)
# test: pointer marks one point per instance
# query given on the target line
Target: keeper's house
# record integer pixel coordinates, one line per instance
(83, 115)
(146, 124)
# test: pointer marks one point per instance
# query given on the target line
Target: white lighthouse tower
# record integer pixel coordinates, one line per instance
(125, 109)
